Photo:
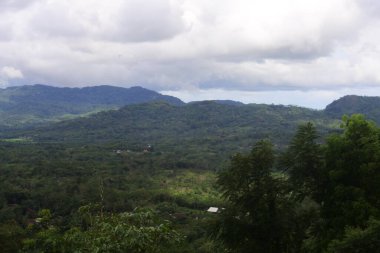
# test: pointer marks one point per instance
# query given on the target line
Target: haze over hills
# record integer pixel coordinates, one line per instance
(24, 105)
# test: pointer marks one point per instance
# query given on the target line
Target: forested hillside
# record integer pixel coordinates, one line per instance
(141, 178)
(351, 104)
(198, 135)
(313, 196)
(25, 105)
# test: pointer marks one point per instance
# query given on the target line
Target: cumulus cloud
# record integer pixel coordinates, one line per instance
(11, 73)
(139, 21)
(8, 74)
(256, 30)
(114, 20)
(194, 45)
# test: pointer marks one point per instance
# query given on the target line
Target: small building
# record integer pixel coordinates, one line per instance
(148, 148)
(213, 209)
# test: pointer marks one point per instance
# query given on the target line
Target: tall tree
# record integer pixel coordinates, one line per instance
(303, 161)
(304, 165)
(353, 169)
(256, 219)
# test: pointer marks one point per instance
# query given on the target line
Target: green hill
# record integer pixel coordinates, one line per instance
(369, 106)
(199, 134)
(23, 105)
(158, 122)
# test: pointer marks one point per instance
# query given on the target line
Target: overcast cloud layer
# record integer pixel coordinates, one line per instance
(304, 52)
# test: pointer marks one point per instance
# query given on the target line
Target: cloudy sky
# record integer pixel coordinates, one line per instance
(301, 52)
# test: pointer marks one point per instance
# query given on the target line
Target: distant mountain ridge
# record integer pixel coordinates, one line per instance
(222, 102)
(21, 105)
(32, 104)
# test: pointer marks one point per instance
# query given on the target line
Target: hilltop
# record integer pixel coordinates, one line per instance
(351, 104)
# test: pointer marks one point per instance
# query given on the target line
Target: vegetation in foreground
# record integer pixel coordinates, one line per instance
(328, 202)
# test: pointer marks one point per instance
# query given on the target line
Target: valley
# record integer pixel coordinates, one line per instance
(164, 157)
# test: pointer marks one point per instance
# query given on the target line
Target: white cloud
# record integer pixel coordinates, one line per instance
(139, 21)
(256, 30)
(14, 5)
(113, 20)
(11, 73)
(185, 45)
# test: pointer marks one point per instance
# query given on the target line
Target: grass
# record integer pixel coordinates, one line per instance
(17, 140)
(189, 185)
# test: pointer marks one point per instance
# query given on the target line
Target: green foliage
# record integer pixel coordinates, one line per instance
(64, 177)
(303, 162)
(138, 231)
(352, 163)
(256, 219)
(324, 198)
(335, 187)
(11, 235)
(358, 240)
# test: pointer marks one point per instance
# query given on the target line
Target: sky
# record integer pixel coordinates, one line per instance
(298, 52)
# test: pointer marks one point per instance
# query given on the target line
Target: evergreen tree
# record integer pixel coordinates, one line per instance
(353, 165)
(257, 218)
(303, 162)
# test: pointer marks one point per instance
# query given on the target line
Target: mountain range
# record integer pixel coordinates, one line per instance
(31, 104)
(138, 114)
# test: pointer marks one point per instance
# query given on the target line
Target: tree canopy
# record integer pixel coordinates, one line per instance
(327, 199)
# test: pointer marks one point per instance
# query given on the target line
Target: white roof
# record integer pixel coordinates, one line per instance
(213, 210)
